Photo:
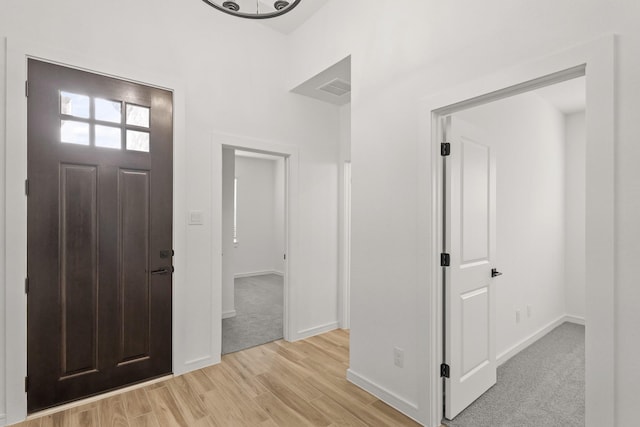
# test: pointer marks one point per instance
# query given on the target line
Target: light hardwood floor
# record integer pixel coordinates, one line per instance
(276, 384)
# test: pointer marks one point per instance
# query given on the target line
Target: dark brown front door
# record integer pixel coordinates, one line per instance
(99, 233)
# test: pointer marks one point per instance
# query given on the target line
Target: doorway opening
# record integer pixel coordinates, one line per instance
(254, 248)
(514, 284)
(595, 61)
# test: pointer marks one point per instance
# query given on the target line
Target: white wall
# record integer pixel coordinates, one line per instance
(257, 247)
(401, 55)
(232, 77)
(345, 133)
(228, 264)
(575, 214)
(527, 136)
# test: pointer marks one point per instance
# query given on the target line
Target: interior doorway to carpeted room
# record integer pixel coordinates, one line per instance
(254, 248)
(515, 274)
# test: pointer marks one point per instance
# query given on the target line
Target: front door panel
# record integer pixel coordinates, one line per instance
(99, 213)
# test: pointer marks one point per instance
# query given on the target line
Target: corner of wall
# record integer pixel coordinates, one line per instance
(3, 50)
(408, 408)
(316, 330)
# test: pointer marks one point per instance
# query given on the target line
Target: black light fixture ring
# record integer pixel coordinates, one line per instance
(277, 4)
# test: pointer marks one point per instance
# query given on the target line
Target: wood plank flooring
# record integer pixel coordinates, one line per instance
(276, 384)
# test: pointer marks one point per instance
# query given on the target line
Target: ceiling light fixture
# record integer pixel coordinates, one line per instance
(254, 9)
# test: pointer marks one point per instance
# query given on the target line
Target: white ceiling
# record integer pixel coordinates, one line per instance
(291, 20)
(568, 97)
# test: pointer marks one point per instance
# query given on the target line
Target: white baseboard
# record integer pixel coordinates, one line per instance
(257, 273)
(509, 353)
(408, 408)
(317, 330)
(228, 314)
(578, 320)
(195, 364)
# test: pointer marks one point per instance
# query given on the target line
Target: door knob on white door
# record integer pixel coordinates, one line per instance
(495, 272)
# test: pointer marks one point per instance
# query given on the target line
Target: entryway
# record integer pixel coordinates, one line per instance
(99, 234)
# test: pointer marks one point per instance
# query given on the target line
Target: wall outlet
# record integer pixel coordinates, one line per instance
(529, 311)
(517, 316)
(398, 357)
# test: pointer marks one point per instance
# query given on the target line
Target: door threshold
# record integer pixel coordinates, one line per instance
(95, 398)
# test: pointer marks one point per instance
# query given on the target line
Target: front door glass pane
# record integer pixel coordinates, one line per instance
(137, 141)
(74, 104)
(137, 116)
(108, 137)
(73, 132)
(108, 111)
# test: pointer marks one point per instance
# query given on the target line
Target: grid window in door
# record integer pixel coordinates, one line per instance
(104, 123)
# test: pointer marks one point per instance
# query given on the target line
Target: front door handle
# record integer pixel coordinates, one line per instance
(495, 272)
(163, 270)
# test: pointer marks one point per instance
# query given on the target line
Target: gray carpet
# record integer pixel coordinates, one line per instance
(259, 312)
(542, 386)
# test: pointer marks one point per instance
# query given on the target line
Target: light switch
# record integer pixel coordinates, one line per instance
(196, 217)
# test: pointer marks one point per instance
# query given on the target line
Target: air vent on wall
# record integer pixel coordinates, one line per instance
(336, 87)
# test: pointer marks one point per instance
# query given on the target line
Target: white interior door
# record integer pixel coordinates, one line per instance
(470, 242)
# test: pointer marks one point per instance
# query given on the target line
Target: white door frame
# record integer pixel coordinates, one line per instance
(290, 155)
(345, 280)
(596, 60)
(14, 253)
